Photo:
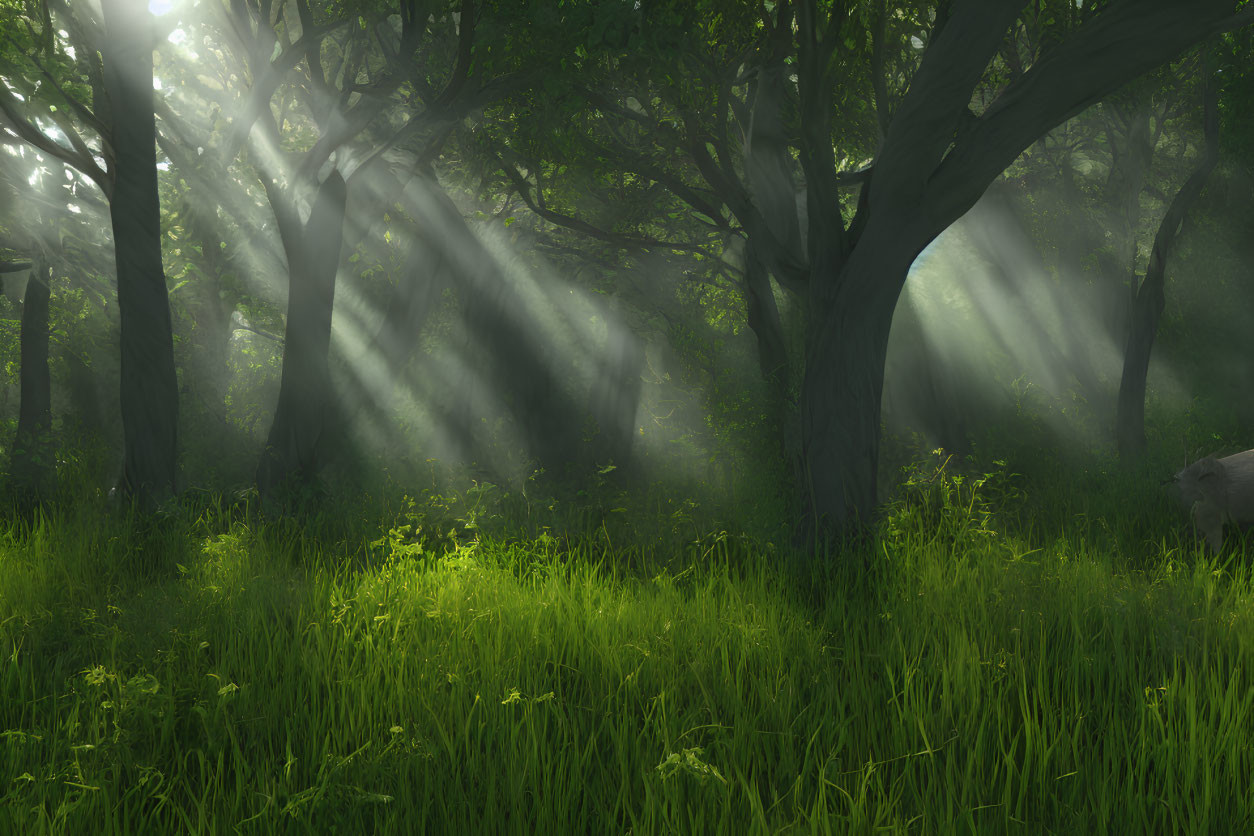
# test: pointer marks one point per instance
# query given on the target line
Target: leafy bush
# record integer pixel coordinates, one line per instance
(938, 504)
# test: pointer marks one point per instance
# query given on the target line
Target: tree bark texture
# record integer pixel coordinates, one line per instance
(149, 387)
(306, 402)
(841, 393)
(1149, 298)
(31, 464)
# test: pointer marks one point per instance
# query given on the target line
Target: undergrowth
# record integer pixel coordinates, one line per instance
(469, 659)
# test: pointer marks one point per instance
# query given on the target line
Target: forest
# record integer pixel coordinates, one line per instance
(626, 416)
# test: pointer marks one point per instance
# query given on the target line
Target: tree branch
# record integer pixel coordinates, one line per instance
(627, 242)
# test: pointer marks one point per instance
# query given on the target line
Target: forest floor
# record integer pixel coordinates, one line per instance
(971, 669)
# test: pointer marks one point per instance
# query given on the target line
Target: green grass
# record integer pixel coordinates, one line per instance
(993, 670)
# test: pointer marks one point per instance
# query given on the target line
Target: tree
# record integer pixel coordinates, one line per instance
(1148, 297)
(30, 463)
(937, 158)
(669, 128)
(115, 102)
(31, 473)
(339, 81)
(953, 108)
(149, 383)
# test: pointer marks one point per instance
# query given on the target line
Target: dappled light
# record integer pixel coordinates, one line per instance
(597, 417)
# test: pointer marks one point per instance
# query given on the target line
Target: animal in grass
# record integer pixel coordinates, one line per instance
(1219, 491)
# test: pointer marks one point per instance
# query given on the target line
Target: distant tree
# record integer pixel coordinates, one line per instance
(30, 461)
(1148, 295)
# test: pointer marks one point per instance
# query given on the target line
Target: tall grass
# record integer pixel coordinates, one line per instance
(480, 663)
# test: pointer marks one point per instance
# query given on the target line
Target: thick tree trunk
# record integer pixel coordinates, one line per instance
(30, 466)
(846, 347)
(840, 430)
(773, 361)
(306, 402)
(1149, 299)
(935, 162)
(149, 390)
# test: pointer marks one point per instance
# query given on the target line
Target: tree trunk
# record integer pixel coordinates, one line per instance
(846, 348)
(306, 402)
(30, 466)
(149, 390)
(933, 166)
(1149, 299)
(773, 361)
(770, 168)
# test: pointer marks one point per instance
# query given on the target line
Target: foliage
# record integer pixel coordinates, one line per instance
(1029, 640)
(252, 675)
(938, 506)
